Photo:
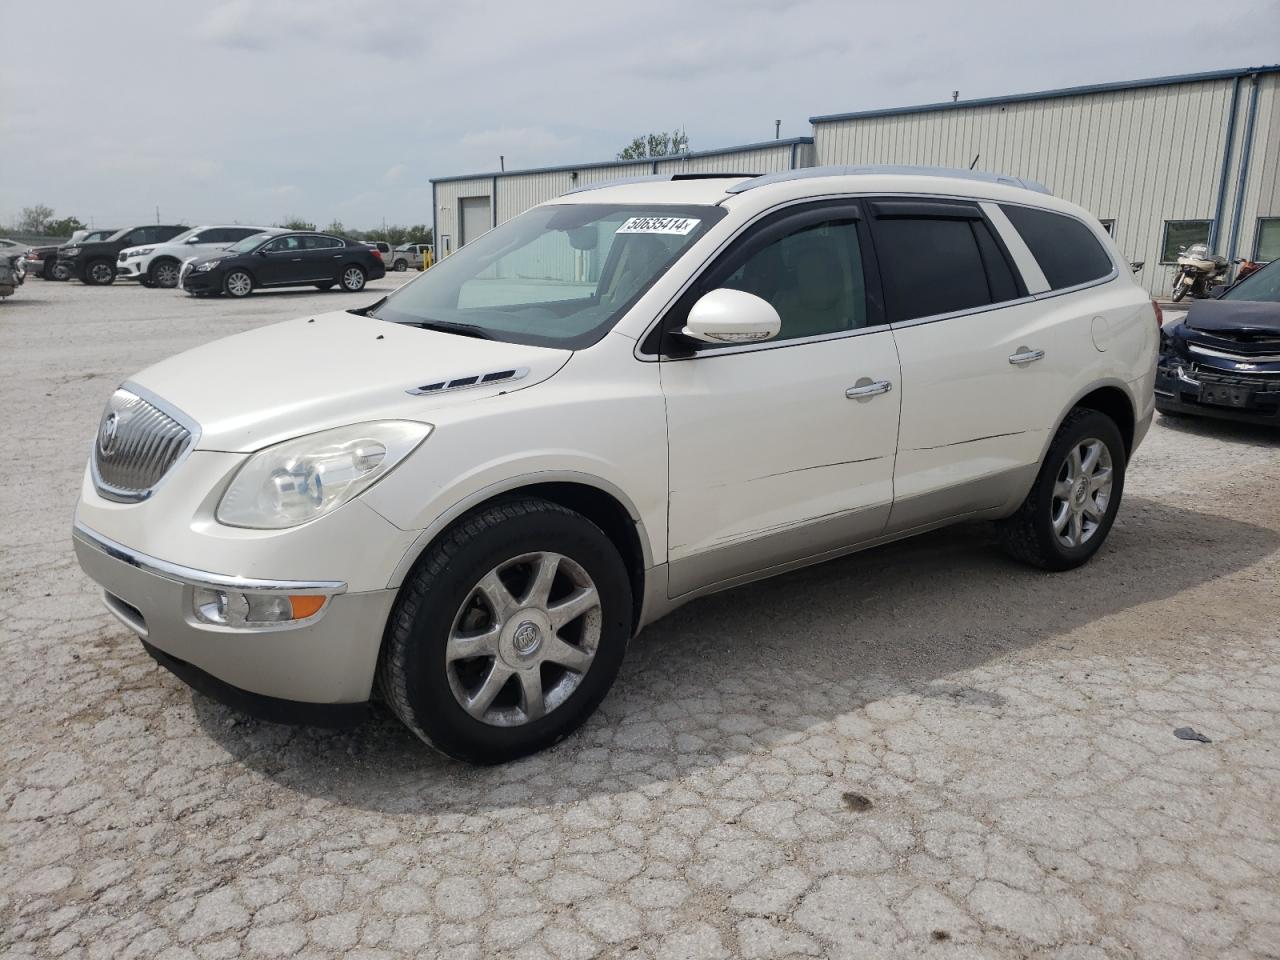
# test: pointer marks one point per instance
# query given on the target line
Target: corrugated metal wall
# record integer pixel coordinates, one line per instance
(1139, 157)
(518, 191)
(1262, 184)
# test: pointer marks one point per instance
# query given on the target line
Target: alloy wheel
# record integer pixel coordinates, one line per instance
(239, 284)
(1082, 492)
(523, 639)
(166, 275)
(353, 278)
(101, 273)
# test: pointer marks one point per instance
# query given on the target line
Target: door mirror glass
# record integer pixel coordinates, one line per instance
(732, 316)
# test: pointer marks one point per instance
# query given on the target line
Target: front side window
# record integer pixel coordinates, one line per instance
(559, 275)
(1068, 252)
(812, 277)
(285, 245)
(1180, 234)
(1267, 246)
(940, 265)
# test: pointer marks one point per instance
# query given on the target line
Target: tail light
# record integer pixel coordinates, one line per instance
(376, 252)
(1159, 315)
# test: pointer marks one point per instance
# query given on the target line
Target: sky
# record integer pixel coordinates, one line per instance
(254, 111)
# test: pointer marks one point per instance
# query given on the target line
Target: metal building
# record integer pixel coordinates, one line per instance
(1162, 162)
(467, 206)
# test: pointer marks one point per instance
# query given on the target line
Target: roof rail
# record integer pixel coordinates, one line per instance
(804, 173)
(658, 178)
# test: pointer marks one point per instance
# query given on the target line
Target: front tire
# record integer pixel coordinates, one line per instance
(508, 633)
(401, 266)
(1179, 289)
(1073, 502)
(164, 274)
(99, 273)
(60, 271)
(353, 278)
(238, 283)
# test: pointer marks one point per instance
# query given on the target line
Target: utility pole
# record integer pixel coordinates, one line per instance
(777, 129)
(955, 95)
(502, 163)
(157, 213)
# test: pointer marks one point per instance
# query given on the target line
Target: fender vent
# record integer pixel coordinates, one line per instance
(474, 380)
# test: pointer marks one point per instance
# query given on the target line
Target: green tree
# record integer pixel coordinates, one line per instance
(335, 226)
(662, 144)
(297, 223)
(62, 227)
(34, 219)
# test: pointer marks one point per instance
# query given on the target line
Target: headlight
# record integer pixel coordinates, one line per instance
(300, 480)
(139, 253)
(70, 251)
(208, 265)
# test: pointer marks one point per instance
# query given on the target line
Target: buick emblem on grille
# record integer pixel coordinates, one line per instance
(107, 435)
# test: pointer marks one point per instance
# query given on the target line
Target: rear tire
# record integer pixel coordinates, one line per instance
(401, 266)
(1073, 502)
(353, 278)
(472, 617)
(60, 271)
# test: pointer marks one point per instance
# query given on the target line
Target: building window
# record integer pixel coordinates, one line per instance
(1266, 246)
(1179, 234)
(1109, 226)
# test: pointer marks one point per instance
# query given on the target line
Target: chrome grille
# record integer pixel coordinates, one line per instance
(137, 444)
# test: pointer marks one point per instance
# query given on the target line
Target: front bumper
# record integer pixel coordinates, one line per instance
(200, 281)
(1181, 387)
(133, 269)
(34, 268)
(318, 670)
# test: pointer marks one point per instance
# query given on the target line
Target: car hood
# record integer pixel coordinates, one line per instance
(1242, 320)
(288, 379)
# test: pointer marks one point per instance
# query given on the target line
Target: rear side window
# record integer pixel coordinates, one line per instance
(1067, 251)
(933, 266)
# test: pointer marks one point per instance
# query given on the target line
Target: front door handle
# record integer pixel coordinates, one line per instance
(868, 388)
(1026, 355)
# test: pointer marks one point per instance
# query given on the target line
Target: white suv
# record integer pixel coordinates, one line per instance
(473, 492)
(159, 264)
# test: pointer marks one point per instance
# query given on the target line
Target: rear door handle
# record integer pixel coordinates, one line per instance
(872, 388)
(1026, 355)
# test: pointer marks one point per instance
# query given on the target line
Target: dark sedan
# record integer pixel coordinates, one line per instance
(1223, 358)
(268, 260)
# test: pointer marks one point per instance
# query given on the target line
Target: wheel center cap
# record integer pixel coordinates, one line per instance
(527, 638)
(1082, 491)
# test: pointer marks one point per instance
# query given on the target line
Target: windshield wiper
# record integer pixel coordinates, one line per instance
(443, 326)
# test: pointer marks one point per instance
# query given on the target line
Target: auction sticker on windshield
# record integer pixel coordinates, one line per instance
(679, 226)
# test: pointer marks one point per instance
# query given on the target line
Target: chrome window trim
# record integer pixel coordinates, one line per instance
(644, 357)
(200, 578)
(119, 495)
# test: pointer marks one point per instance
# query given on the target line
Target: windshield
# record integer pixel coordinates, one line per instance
(403, 247)
(1263, 285)
(250, 243)
(95, 236)
(557, 276)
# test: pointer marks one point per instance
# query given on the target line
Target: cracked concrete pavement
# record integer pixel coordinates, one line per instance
(924, 750)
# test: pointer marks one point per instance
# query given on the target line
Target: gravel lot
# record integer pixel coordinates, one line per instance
(926, 750)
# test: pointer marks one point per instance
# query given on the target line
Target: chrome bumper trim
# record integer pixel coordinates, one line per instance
(200, 578)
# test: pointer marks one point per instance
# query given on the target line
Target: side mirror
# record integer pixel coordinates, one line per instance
(732, 316)
(262, 251)
(193, 239)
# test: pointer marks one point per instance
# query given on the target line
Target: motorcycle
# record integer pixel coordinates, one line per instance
(1198, 270)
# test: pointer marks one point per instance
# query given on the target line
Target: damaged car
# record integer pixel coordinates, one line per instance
(1223, 358)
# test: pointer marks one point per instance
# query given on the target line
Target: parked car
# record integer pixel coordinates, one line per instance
(11, 272)
(409, 256)
(95, 262)
(271, 259)
(474, 491)
(1223, 359)
(158, 264)
(11, 247)
(383, 248)
(43, 261)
